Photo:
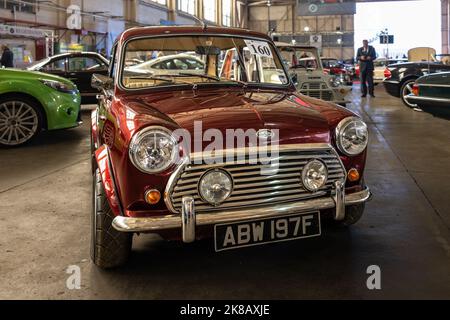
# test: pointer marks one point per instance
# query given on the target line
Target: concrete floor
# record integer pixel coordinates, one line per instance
(44, 228)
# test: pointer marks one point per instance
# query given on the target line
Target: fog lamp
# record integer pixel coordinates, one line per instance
(314, 175)
(215, 186)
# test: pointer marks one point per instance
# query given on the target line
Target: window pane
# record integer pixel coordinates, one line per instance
(186, 6)
(226, 13)
(209, 8)
(189, 60)
(57, 65)
(85, 64)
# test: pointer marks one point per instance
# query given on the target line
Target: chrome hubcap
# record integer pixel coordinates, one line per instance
(406, 91)
(18, 122)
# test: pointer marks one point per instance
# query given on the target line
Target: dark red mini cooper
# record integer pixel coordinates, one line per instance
(206, 137)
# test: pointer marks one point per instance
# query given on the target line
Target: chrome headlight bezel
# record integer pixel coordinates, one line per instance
(143, 133)
(199, 190)
(305, 171)
(340, 135)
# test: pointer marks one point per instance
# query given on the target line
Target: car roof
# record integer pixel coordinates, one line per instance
(170, 30)
(290, 45)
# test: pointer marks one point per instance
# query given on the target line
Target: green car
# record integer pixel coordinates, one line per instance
(34, 101)
(431, 93)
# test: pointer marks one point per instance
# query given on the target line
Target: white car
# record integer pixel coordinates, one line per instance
(172, 64)
(306, 69)
(380, 66)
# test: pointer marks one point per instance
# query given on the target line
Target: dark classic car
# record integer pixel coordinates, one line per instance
(78, 67)
(401, 77)
(431, 93)
(233, 153)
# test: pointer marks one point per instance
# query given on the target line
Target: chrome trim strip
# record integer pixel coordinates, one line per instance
(391, 81)
(154, 224)
(433, 85)
(339, 200)
(188, 220)
(171, 184)
(423, 98)
(256, 149)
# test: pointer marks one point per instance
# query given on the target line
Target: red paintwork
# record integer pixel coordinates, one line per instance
(101, 155)
(299, 118)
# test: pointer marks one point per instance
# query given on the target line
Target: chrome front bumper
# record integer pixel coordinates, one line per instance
(188, 219)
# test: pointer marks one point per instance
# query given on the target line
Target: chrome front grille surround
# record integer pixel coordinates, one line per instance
(317, 90)
(251, 188)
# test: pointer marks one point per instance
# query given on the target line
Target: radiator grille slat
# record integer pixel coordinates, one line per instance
(318, 90)
(251, 188)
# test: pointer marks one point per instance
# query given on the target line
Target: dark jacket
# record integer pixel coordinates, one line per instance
(7, 59)
(363, 64)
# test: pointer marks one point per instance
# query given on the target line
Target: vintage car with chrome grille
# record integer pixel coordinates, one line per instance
(233, 153)
(306, 70)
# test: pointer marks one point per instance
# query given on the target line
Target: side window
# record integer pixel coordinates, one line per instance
(194, 64)
(57, 65)
(85, 64)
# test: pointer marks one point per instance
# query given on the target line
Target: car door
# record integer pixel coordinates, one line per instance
(80, 71)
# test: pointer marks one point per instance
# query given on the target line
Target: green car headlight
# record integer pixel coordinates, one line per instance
(60, 86)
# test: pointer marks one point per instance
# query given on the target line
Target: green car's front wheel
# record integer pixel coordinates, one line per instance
(20, 120)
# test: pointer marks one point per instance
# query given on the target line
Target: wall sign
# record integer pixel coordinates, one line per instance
(323, 8)
(22, 31)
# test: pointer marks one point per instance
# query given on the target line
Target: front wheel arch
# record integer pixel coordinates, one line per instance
(38, 104)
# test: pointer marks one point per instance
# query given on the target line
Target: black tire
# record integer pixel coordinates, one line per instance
(109, 248)
(352, 215)
(405, 90)
(19, 103)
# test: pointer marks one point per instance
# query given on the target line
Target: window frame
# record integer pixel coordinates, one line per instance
(289, 85)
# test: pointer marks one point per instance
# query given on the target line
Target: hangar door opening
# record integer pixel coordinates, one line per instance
(411, 23)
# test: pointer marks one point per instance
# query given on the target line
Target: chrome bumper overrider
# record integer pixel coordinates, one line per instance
(188, 220)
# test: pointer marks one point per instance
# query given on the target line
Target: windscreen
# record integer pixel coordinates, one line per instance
(181, 60)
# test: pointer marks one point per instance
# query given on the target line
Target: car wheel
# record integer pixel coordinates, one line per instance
(20, 121)
(109, 248)
(405, 90)
(352, 214)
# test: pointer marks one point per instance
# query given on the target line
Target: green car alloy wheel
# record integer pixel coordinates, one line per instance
(34, 101)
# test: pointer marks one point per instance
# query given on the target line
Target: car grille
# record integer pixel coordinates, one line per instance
(317, 90)
(253, 189)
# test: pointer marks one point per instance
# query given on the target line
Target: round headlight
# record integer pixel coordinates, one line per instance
(352, 136)
(314, 175)
(153, 149)
(215, 186)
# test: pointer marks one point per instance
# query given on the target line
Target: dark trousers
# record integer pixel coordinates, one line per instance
(367, 76)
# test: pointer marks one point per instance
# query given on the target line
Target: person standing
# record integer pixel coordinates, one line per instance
(7, 59)
(365, 56)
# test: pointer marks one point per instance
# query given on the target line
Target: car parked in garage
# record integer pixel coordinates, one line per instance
(155, 171)
(381, 70)
(431, 93)
(170, 64)
(337, 69)
(305, 68)
(33, 101)
(78, 67)
(401, 77)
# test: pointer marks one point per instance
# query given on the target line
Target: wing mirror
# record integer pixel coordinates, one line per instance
(101, 82)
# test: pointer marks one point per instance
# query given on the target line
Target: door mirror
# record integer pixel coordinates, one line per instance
(101, 82)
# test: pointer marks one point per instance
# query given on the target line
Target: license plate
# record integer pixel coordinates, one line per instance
(257, 232)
